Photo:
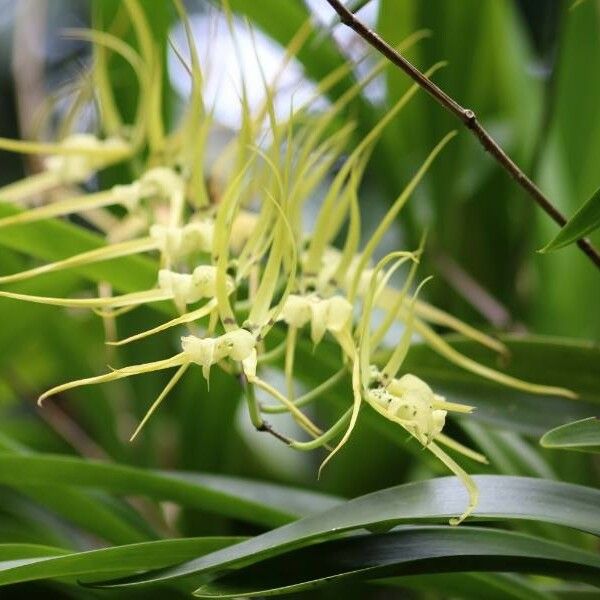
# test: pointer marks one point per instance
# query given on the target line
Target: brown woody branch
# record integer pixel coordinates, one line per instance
(465, 115)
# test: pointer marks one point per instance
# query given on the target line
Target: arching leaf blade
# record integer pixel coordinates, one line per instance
(501, 497)
(48, 563)
(582, 223)
(255, 502)
(583, 436)
(408, 551)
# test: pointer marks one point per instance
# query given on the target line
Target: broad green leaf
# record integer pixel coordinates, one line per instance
(251, 501)
(507, 452)
(95, 515)
(55, 239)
(486, 72)
(16, 551)
(93, 512)
(20, 319)
(571, 591)
(41, 564)
(584, 221)
(567, 285)
(433, 500)
(583, 436)
(407, 551)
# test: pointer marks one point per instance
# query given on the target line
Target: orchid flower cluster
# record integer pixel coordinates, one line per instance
(235, 257)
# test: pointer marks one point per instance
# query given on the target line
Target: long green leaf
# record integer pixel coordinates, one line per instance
(17, 551)
(56, 239)
(408, 551)
(255, 502)
(433, 500)
(584, 221)
(94, 513)
(48, 563)
(583, 436)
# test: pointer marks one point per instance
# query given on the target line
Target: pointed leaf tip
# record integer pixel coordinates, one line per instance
(583, 222)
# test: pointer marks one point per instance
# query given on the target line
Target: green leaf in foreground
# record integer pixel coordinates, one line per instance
(408, 551)
(255, 502)
(584, 221)
(491, 586)
(46, 563)
(55, 239)
(433, 500)
(583, 436)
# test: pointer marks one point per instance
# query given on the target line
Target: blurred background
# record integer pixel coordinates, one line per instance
(529, 70)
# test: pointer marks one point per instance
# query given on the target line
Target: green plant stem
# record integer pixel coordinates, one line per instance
(309, 396)
(325, 437)
(254, 411)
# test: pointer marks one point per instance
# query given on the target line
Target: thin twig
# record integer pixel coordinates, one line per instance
(465, 115)
(29, 38)
(475, 294)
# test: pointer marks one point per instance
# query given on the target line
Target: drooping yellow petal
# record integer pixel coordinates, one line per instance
(158, 365)
(61, 208)
(172, 382)
(392, 213)
(23, 189)
(188, 317)
(439, 317)
(356, 404)
(443, 348)
(85, 258)
(135, 298)
(465, 478)
(461, 449)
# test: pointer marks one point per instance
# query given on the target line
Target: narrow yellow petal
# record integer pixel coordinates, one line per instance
(458, 447)
(85, 258)
(465, 478)
(357, 394)
(158, 365)
(61, 208)
(395, 209)
(29, 186)
(134, 298)
(172, 382)
(442, 347)
(188, 317)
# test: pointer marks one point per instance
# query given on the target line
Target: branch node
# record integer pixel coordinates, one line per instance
(266, 427)
(470, 117)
